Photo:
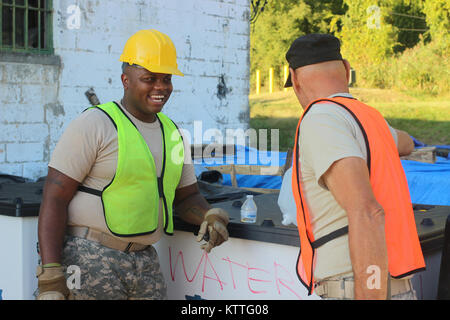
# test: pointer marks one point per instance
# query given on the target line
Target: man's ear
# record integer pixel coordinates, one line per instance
(125, 81)
(294, 80)
(347, 69)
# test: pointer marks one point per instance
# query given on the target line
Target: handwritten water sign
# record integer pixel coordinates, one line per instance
(237, 269)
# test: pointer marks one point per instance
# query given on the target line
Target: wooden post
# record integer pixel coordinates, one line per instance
(258, 81)
(288, 163)
(286, 74)
(271, 80)
(233, 176)
(426, 154)
(352, 79)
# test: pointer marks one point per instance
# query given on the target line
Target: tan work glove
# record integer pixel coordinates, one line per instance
(215, 222)
(52, 284)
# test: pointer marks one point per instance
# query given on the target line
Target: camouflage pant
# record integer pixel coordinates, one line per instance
(108, 274)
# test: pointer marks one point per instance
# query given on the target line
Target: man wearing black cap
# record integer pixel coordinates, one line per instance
(334, 195)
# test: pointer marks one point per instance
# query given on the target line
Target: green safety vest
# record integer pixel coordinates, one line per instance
(131, 200)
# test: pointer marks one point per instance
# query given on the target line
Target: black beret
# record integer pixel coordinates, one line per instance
(310, 49)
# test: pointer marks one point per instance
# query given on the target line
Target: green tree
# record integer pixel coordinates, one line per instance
(367, 39)
(408, 17)
(438, 19)
(426, 66)
(281, 23)
(390, 43)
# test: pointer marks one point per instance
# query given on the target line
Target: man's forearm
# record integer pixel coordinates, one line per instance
(368, 254)
(348, 181)
(193, 209)
(405, 143)
(59, 190)
(51, 231)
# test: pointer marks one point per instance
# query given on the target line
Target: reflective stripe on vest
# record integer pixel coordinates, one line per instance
(131, 200)
(389, 186)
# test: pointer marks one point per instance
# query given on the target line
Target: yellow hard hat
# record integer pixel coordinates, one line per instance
(152, 50)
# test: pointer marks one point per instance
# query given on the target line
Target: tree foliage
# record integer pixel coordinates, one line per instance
(377, 37)
(438, 18)
(282, 22)
(364, 27)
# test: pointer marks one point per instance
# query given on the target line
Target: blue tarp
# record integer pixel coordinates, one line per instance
(428, 183)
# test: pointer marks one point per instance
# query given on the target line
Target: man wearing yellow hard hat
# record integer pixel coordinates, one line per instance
(113, 179)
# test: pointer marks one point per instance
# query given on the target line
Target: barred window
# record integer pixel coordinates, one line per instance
(26, 26)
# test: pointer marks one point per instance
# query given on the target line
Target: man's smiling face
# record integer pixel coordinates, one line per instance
(145, 92)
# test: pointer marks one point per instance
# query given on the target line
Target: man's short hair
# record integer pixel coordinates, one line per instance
(126, 64)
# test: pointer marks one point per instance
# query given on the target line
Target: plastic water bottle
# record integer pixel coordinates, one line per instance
(248, 210)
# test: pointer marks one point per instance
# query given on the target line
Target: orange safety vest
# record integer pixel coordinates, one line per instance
(389, 186)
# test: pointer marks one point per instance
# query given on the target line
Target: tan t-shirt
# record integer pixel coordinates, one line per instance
(87, 152)
(328, 133)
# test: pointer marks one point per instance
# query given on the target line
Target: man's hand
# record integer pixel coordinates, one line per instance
(215, 223)
(193, 208)
(52, 284)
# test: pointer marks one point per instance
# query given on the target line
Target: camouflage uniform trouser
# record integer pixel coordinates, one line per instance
(108, 274)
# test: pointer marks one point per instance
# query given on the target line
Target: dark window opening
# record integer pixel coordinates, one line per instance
(26, 26)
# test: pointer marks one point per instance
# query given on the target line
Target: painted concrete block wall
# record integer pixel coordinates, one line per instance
(212, 41)
(28, 95)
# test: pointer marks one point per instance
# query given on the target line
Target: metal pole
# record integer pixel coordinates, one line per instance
(258, 82)
(271, 80)
(286, 74)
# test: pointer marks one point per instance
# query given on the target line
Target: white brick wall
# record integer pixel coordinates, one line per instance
(38, 101)
(24, 152)
(26, 91)
(2, 153)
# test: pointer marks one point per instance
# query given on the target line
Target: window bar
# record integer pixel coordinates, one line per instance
(26, 25)
(49, 24)
(1, 23)
(39, 26)
(43, 26)
(14, 24)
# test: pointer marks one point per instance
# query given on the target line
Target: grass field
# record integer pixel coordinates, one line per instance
(426, 118)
